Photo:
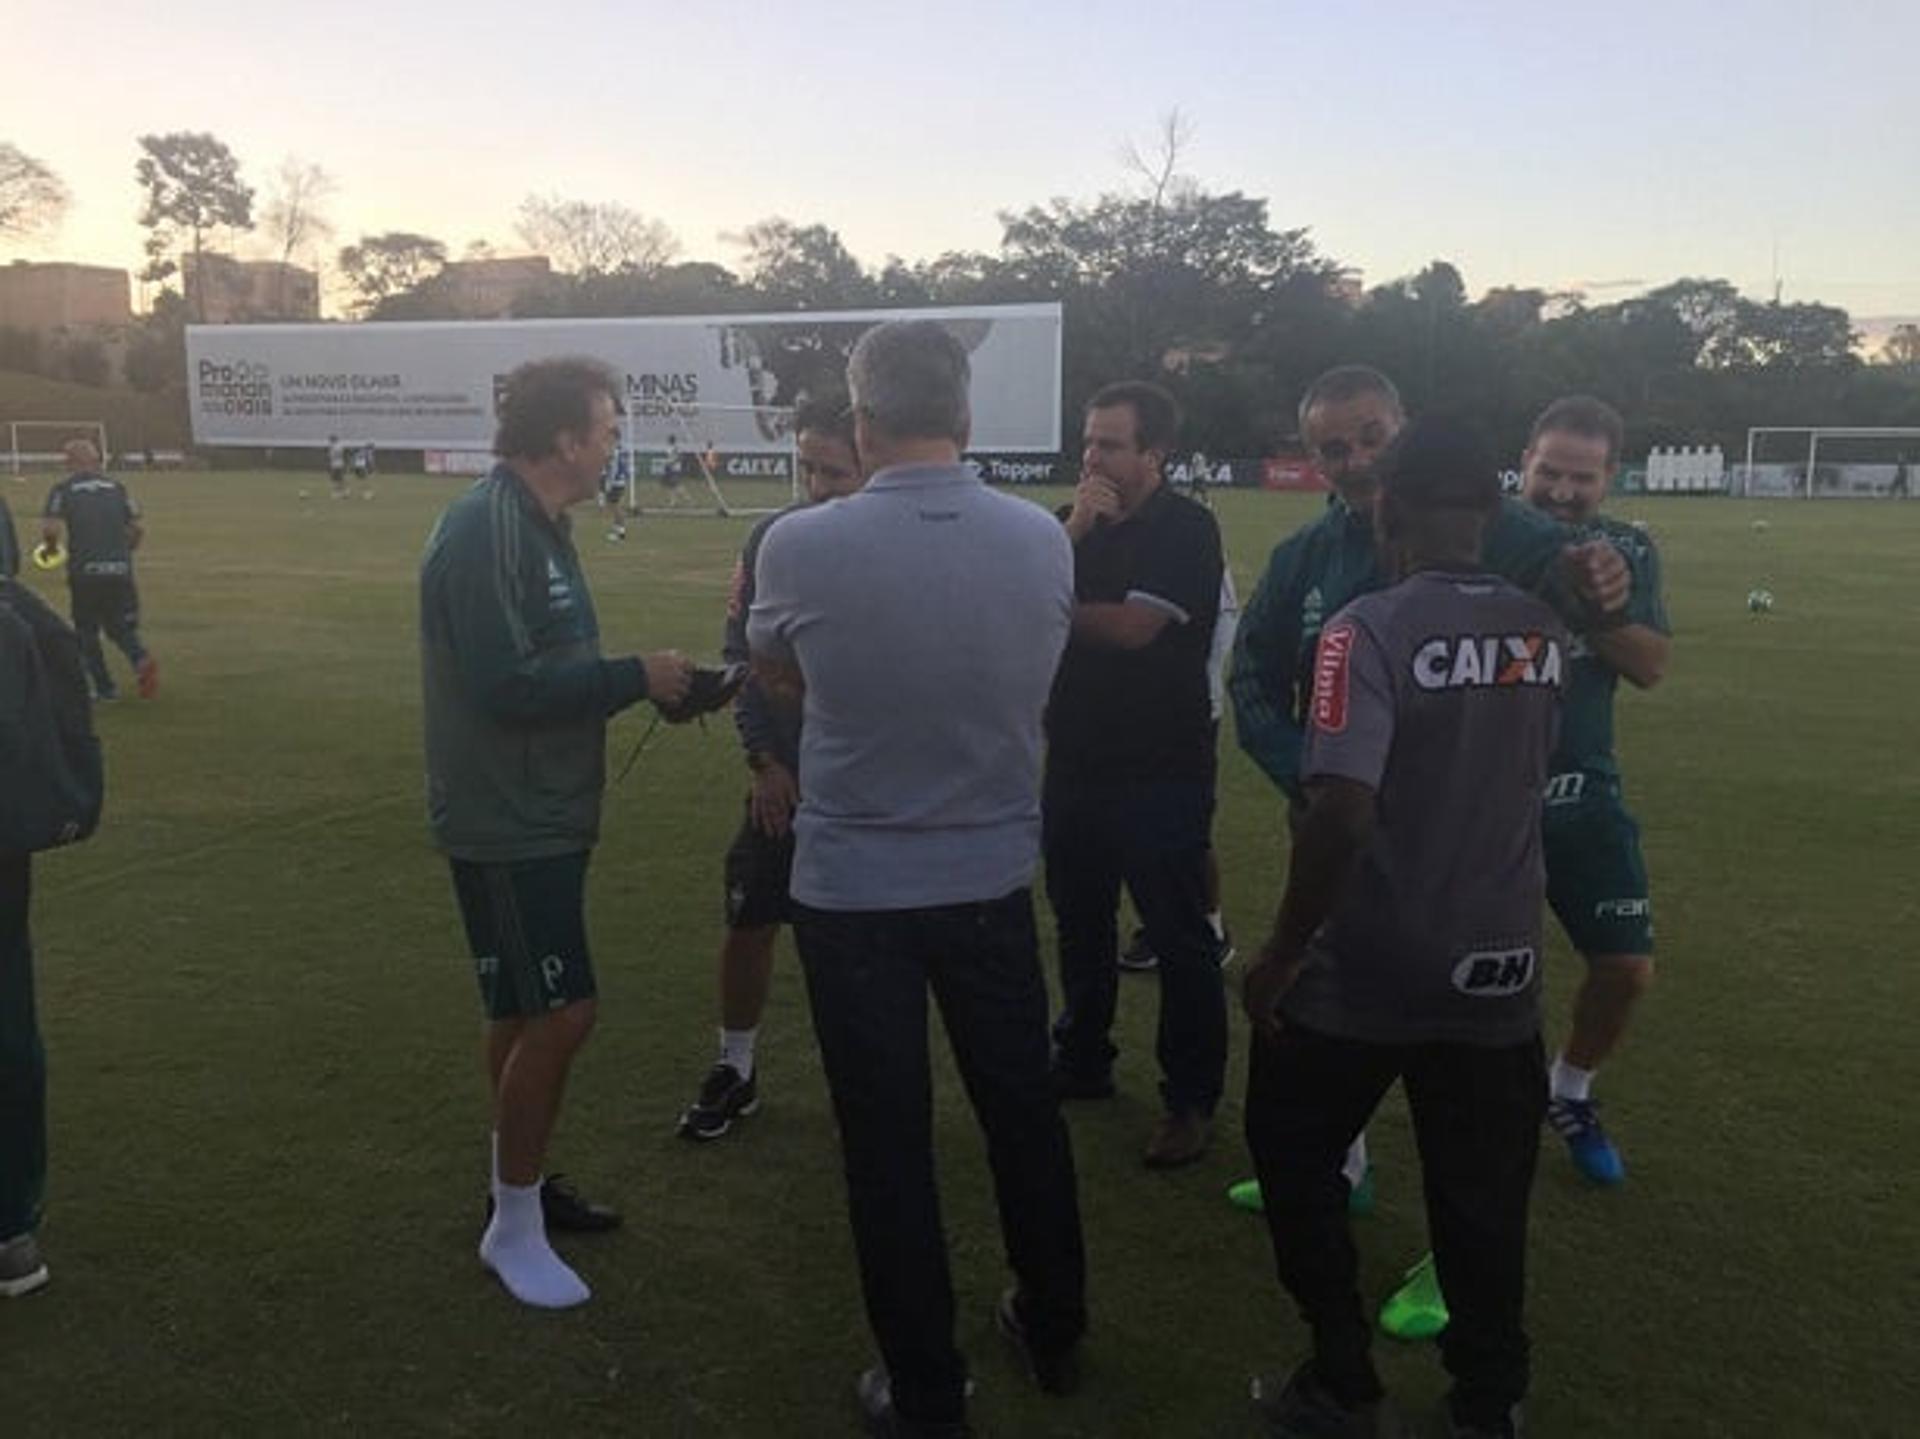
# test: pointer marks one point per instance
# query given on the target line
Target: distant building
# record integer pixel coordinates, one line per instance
(487, 289)
(222, 290)
(58, 296)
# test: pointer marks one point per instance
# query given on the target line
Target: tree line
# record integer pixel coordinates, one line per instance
(1164, 279)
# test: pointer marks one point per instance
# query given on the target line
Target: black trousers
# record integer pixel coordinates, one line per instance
(110, 603)
(1476, 1116)
(23, 1061)
(868, 974)
(1153, 836)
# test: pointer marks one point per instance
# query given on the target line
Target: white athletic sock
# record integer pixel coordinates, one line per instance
(1567, 1082)
(1219, 925)
(515, 1248)
(736, 1048)
(1354, 1166)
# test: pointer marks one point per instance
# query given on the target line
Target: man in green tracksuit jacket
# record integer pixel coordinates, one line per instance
(1347, 418)
(517, 698)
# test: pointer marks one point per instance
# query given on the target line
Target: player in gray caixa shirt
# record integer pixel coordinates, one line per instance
(1407, 946)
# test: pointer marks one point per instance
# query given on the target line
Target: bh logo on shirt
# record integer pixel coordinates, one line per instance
(1495, 973)
(1486, 661)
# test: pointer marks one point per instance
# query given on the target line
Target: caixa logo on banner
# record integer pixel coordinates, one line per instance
(235, 387)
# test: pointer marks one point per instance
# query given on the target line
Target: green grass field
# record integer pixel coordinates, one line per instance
(267, 1114)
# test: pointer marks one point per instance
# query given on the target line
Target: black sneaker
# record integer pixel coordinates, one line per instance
(724, 1097)
(1051, 1373)
(22, 1269)
(567, 1211)
(1300, 1406)
(1224, 952)
(1138, 956)
(874, 1393)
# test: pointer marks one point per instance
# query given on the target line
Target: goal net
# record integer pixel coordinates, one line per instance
(35, 444)
(693, 459)
(1829, 462)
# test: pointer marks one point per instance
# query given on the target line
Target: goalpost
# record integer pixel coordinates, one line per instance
(1832, 462)
(695, 459)
(38, 442)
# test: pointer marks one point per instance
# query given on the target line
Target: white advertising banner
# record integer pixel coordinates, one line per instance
(431, 386)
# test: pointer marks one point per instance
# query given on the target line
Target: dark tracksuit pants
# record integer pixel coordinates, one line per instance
(1476, 1117)
(868, 973)
(110, 603)
(23, 1062)
(1152, 836)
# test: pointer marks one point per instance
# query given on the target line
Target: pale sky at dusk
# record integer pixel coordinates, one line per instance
(1530, 144)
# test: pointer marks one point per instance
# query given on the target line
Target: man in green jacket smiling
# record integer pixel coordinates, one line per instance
(517, 701)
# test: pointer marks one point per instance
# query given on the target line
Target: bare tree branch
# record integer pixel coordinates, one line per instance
(32, 197)
(1160, 168)
(594, 238)
(295, 216)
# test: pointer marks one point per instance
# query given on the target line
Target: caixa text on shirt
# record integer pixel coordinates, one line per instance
(1480, 661)
(1494, 973)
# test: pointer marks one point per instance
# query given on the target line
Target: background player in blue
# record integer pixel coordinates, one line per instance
(759, 862)
(336, 465)
(1407, 947)
(102, 525)
(363, 467)
(1596, 876)
(613, 489)
(672, 476)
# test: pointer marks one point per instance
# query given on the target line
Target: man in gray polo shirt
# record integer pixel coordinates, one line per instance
(923, 617)
(1407, 946)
